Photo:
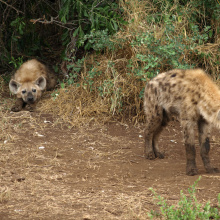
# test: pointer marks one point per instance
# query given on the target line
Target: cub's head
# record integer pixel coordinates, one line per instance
(28, 91)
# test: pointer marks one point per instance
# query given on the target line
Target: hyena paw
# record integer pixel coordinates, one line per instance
(212, 170)
(16, 108)
(150, 155)
(192, 172)
(160, 155)
(29, 108)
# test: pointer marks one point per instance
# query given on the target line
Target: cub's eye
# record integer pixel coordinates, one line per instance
(23, 91)
(34, 90)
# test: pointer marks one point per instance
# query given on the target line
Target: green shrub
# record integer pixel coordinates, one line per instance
(93, 20)
(187, 208)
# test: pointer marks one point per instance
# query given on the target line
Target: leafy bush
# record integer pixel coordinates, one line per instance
(97, 40)
(92, 20)
(187, 208)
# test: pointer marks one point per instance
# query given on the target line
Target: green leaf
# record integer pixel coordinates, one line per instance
(75, 33)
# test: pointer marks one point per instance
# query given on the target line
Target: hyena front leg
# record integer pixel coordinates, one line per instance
(148, 148)
(188, 131)
(18, 105)
(205, 146)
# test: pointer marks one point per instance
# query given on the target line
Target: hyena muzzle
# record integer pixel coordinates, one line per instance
(28, 83)
(191, 96)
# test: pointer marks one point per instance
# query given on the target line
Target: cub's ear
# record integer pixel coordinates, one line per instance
(41, 82)
(13, 86)
(218, 117)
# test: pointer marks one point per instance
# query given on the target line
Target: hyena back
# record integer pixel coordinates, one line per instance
(28, 83)
(195, 99)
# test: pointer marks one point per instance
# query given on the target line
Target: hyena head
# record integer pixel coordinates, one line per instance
(28, 91)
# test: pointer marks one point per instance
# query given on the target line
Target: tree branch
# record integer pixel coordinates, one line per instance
(18, 11)
(53, 20)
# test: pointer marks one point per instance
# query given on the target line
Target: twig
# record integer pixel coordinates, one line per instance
(18, 11)
(52, 21)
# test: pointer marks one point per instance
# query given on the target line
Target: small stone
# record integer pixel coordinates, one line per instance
(87, 217)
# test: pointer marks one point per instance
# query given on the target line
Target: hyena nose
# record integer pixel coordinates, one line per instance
(30, 97)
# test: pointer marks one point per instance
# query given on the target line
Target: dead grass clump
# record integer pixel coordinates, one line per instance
(111, 92)
(210, 57)
(76, 106)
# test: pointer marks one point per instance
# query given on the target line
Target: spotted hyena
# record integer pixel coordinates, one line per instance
(195, 99)
(28, 83)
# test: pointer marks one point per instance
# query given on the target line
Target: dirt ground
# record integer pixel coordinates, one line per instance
(52, 171)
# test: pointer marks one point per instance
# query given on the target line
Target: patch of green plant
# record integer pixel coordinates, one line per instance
(91, 19)
(19, 26)
(97, 40)
(187, 208)
(16, 62)
(168, 50)
(75, 69)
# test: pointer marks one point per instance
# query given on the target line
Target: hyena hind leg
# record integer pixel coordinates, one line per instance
(156, 149)
(188, 130)
(203, 128)
(153, 130)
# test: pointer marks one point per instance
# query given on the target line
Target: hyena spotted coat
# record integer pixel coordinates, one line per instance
(195, 99)
(28, 83)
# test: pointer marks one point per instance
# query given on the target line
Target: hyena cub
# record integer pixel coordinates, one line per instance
(195, 99)
(28, 83)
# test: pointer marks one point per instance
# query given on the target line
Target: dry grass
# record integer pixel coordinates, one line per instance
(85, 103)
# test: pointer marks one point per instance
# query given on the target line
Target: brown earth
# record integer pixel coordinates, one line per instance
(51, 171)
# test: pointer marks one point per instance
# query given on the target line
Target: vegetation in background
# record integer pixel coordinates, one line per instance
(158, 36)
(92, 19)
(187, 208)
(110, 49)
(47, 28)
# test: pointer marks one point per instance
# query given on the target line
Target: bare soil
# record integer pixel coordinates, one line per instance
(52, 171)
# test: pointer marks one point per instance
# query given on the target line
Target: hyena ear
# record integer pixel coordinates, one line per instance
(13, 86)
(218, 117)
(41, 82)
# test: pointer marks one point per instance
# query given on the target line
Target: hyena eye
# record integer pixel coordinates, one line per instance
(34, 90)
(23, 91)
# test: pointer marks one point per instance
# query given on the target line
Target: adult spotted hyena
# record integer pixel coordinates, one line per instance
(195, 99)
(28, 83)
